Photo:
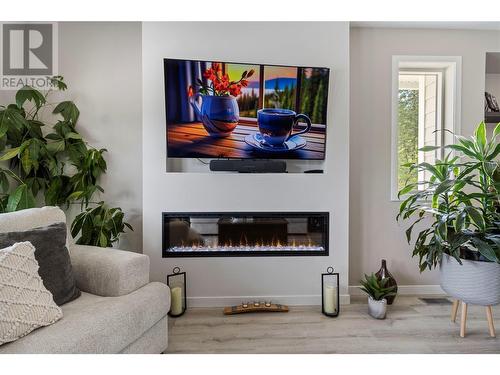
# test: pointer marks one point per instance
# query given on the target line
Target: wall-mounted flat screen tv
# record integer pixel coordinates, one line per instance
(218, 109)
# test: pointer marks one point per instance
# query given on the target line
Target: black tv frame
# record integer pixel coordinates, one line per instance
(268, 156)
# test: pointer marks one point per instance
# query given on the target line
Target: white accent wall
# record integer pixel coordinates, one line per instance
(218, 281)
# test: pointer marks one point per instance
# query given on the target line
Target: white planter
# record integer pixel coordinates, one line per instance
(377, 309)
(474, 282)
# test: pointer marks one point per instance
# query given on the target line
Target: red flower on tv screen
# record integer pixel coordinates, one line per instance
(220, 84)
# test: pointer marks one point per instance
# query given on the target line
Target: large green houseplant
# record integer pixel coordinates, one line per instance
(457, 212)
(45, 161)
(461, 200)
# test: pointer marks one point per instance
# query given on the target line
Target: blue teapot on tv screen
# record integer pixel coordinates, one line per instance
(234, 110)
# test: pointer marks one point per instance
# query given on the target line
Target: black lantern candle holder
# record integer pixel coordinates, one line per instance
(330, 297)
(177, 283)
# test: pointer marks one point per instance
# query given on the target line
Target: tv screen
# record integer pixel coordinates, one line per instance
(219, 109)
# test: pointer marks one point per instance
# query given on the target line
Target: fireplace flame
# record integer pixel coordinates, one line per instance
(244, 245)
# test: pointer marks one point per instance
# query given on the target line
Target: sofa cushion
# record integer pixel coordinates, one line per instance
(33, 218)
(52, 256)
(94, 324)
(108, 272)
(25, 304)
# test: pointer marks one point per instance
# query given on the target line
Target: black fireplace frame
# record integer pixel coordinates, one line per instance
(279, 253)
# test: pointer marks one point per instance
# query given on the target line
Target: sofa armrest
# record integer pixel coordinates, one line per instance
(108, 272)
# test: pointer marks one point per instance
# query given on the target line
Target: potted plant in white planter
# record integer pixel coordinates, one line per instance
(459, 210)
(377, 291)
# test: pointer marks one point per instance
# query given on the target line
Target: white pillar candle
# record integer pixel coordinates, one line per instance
(330, 299)
(176, 301)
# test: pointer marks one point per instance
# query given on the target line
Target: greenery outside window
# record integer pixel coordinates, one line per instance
(425, 112)
(419, 122)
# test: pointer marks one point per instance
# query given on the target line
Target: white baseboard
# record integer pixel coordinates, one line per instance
(300, 300)
(420, 290)
(307, 300)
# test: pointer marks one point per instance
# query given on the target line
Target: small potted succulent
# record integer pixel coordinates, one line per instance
(378, 291)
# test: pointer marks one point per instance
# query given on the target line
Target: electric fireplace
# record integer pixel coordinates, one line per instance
(217, 234)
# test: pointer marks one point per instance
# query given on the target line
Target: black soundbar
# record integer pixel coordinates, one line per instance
(248, 166)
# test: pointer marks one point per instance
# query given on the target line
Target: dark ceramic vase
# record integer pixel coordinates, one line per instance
(383, 272)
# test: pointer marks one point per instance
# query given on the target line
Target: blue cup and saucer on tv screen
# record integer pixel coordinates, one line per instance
(276, 130)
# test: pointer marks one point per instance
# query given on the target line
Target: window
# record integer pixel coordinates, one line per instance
(248, 100)
(303, 90)
(424, 108)
(419, 122)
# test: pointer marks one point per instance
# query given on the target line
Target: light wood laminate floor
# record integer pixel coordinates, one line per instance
(412, 326)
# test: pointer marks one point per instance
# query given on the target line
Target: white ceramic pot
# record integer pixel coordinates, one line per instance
(474, 282)
(377, 309)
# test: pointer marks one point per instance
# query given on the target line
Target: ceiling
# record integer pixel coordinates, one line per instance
(472, 25)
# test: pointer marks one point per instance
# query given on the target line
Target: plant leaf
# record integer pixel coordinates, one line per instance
(21, 199)
(4, 125)
(460, 221)
(69, 111)
(494, 153)
(28, 93)
(406, 190)
(58, 82)
(103, 240)
(444, 186)
(9, 154)
(463, 149)
(4, 181)
(485, 249)
(429, 148)
(476, 216)
(496, 131)
(56, 146)
(26, 161)
(481, 135)
(73, 135)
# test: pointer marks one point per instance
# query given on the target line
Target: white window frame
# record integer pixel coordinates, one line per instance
(451, 67)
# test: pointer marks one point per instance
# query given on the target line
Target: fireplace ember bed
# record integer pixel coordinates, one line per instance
(222, 234)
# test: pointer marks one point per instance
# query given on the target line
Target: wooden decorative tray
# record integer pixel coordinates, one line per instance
(255, 307)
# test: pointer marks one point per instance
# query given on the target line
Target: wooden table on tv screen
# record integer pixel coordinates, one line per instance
(192, 140)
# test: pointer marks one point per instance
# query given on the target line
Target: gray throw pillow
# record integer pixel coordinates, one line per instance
(52, 256)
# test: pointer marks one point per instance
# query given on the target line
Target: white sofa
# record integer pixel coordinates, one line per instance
(119, 310)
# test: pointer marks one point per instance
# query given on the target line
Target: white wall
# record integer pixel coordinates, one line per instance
(216, 280)
(374, 232)
(101, 63)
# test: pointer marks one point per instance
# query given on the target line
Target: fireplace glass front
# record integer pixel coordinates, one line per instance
(245, 234)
